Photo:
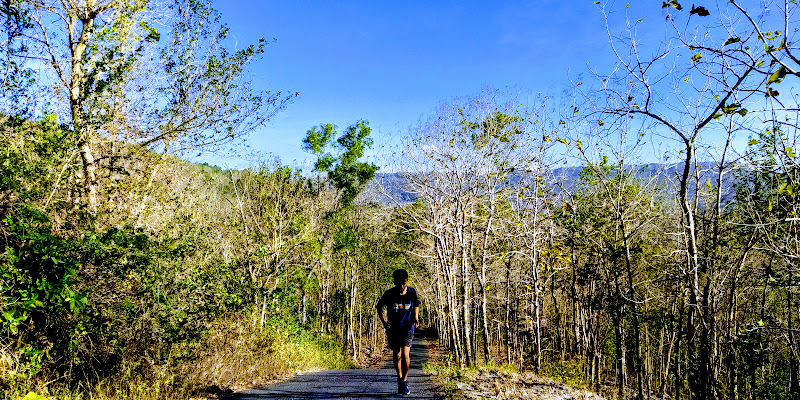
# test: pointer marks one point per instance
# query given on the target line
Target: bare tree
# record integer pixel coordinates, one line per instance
(465, 164)
(716, 65)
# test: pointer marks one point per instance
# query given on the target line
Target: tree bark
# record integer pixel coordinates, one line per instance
(76, 100)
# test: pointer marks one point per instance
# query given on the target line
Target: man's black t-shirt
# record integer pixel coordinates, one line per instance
(399, 307)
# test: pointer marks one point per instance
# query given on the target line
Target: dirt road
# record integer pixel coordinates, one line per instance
(362, 384)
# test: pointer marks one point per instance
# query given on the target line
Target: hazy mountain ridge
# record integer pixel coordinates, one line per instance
(392, 185)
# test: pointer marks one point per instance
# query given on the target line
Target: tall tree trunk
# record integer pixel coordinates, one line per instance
(678, 375)
(453, 304)
(573, 287)
(482, 282)
(466, 318)
(89, 174)
(632, 303)
(76, 99)
(537, 310)
(304, 312)
(620, 358)
(484, 325)
(507, 318)
(706, 344)
(794, 385)
(698, 379)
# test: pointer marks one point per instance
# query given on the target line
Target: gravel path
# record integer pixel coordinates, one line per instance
(377, 383)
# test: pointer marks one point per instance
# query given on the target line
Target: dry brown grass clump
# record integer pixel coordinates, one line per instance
(498, 384)
(244, 356)
(238, 355)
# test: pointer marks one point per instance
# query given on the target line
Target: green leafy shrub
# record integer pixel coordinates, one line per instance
(570, 372)
(40, 299)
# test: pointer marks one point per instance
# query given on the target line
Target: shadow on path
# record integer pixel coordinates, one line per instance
(353, 383)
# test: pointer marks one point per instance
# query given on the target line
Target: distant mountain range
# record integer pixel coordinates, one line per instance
(567, 178)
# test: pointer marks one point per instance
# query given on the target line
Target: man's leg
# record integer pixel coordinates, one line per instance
(397, 358)
(406, 354)
(397, 355)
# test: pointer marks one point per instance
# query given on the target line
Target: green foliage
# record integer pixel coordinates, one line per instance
(19, 79)
(206, 81)
(345, 171)
(317, 139)
(133, 293)
(32, 157)
(87, 305)
(767, 205)
(570, 372)
(345, 237)
(40, 298)
(772, 185)
(777, 76)
(497, 125)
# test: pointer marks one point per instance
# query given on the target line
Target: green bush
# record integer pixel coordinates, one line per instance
(570, 372)
(40, 298)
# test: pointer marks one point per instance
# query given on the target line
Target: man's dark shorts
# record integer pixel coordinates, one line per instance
(399, 338)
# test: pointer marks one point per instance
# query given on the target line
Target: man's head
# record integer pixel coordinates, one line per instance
(400, 277)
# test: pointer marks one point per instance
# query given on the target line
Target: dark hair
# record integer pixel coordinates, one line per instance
(399, 275)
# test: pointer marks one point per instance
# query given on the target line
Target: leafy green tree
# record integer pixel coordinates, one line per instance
(347, 174)
(345, 171)
(275, 214)
(35, 163)
(110, 64)
(768, 206)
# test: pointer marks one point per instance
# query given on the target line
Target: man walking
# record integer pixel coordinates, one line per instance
(400, 319)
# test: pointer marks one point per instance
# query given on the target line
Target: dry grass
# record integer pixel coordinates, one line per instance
(244, 356)
(498, 382)
(239, 356)
(107, 390)
(8, 362)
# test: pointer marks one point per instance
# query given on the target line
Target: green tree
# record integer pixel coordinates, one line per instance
(345, 171)
(348, 175)
(768, 207)
(114, 72)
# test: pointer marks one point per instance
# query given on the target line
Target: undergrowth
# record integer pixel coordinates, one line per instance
(237, 355)
(274, 352)
(448, 374)
(503, 381)
(569, 372)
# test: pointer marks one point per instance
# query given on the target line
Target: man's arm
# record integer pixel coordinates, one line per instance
(381, 314)
(415, 304)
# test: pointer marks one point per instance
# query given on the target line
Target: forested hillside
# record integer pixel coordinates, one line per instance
(183, 270)
(128, 272)
(636, 235)
(671, 282)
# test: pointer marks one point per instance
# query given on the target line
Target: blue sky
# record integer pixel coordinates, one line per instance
(392, 62)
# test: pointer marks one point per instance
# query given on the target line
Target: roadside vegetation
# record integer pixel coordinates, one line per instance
(543, 240)
(170, 293)
(507, 382)
(130, 273)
